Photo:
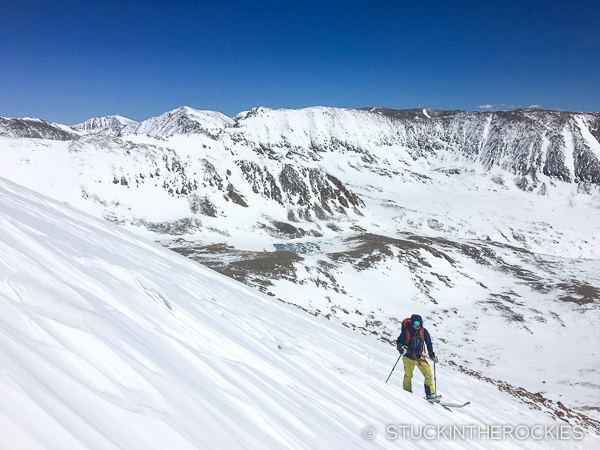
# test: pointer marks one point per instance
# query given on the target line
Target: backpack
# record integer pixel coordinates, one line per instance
(411, 336)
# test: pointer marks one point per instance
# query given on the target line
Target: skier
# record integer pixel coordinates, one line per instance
(410, 344)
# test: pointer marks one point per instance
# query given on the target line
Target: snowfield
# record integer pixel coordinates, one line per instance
(109, 341)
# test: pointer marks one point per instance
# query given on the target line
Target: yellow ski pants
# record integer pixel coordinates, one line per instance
(409, 366)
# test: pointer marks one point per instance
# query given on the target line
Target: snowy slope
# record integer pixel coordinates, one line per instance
(108, 341)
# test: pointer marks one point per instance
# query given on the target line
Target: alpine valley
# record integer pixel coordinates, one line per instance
(484, 223)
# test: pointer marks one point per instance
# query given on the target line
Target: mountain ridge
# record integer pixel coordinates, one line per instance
(527, 142)
(318, 165)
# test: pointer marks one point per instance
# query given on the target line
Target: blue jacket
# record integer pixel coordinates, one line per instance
(415, 346)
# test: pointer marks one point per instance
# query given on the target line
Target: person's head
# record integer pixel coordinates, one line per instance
(416, 321)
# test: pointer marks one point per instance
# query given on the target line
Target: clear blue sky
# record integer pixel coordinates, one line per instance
(67, 61)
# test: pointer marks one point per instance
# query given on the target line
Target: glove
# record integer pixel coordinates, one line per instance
(403, 350)
(433, 357)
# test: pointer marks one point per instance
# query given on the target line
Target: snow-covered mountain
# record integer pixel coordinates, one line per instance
(33, 128)
(309, 168)
(480, 221)
(109, 125)
(184, 120)
(527, 142)
(109, 341)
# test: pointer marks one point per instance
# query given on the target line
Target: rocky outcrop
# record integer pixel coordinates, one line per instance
(35, 129)
(309, 194)
(526, 142)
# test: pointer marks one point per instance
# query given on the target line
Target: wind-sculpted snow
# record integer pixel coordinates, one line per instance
(108, 341)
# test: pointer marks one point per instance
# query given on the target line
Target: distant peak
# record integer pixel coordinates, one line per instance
(252, 112)
(192, 112)
(185, 109)
(104, 124)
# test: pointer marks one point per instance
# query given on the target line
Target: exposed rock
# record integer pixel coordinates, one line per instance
(202, 205)
(235, 196)
(34, 128)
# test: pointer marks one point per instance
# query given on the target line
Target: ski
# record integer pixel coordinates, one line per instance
(455, 405)
(447, 406)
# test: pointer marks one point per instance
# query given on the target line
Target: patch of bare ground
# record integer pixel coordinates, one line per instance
(255, 269)
(506, 312)
(327, 269)
(484, 254)
(367, 250)
(536, 401)
(579, 292)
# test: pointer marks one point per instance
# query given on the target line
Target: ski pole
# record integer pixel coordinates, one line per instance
(434, 379)
(393, 368)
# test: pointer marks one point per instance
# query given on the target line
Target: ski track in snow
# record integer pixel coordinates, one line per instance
(108, 341)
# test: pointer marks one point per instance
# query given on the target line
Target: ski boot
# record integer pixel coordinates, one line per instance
(433, 398)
